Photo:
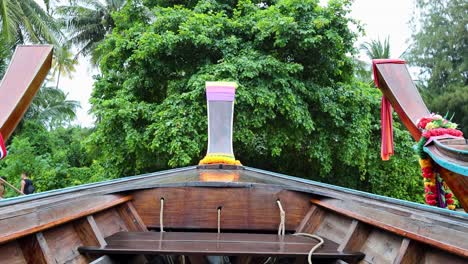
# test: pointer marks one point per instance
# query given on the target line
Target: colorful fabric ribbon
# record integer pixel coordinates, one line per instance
(386, 120)
(386, 124)
(3, 151)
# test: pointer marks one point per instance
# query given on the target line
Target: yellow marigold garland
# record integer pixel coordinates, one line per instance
(437, 193)
(219, 158)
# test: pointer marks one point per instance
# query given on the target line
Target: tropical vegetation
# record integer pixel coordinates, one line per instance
(305, 106)
(439, 49)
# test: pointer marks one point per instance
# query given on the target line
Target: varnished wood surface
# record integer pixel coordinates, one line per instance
(62, 242)
(23, 78)
(433, 232)
(11, 253)
(398, 87)
(192, 243)
(33, 221)
(242, 208)
(319, 219)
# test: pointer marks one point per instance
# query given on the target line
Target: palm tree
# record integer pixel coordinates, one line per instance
(377, 49)
(88, 22)
(51, 108)
(64, 62)
(26, 21)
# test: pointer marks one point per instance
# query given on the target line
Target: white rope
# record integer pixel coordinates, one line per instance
(219, 220)
(282, 225)
(321, 241)
(161, 215)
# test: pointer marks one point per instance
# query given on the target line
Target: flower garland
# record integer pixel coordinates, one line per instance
(219, 158)
(436, 191)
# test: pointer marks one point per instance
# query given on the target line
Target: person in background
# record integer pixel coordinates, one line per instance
(2, 187)
(27, 186)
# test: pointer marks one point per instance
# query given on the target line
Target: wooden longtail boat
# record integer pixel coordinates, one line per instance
(217, 213)
(450, 154)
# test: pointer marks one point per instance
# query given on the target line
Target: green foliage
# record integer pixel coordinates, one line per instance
(439, 48)
(88, 22)
(51, 108)
(54, 159)
(377, 49)
(298, 108)
(25, 21)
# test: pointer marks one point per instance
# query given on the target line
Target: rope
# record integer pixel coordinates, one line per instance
(321, 241)
(161, 215)
(282, 230)
(219, 220)
(282, 225)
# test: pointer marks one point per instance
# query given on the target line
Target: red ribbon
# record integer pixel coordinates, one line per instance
(3, 151)
(386, 120)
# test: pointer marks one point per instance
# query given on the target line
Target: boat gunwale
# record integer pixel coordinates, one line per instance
(310, 183)
(446, 147)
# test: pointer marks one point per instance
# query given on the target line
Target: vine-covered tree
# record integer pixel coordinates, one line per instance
(440, 49)
(298, 109)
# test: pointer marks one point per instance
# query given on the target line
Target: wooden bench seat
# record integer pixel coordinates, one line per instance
(227, 244)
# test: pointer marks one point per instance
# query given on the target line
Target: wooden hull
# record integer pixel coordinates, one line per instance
(56, 226)
(450, 154)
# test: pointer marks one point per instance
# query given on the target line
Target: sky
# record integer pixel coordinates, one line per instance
(380, 18)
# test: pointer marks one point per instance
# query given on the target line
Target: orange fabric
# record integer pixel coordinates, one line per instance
(386, 123)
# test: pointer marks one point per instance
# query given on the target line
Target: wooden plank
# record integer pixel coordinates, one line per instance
(131, 217)
(312, 221)
(302, 225)
(216, 244)
(27, 70)
(451, 238)
(355, 237)
(36, 250)
(11, 253)
(57, 214)
(243, 208)
(410, 253)
(381, 247)
(333, 226)
(436, 256)
(109, 222)
(62, 243)
(89, 233)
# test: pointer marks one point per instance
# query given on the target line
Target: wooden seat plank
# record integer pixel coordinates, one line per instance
(229, 244)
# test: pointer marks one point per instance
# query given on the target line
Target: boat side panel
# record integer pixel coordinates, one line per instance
(63, 242)
(381, 247)
(435, 256)
(11, 253)
(109, 222)
(241, 208)
(334, 227)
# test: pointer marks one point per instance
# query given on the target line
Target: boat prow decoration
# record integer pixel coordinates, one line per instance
(450, 154)
(27, 70)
